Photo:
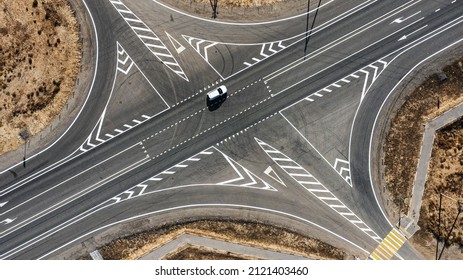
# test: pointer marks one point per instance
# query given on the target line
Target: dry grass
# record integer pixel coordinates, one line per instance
(193, 252)
(39, 61)
(402, 149)
(242, 3)
(248, 233)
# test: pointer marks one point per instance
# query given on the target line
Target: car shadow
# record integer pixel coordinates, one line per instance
(215, 104)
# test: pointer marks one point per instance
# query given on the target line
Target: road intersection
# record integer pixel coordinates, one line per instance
(293, 138)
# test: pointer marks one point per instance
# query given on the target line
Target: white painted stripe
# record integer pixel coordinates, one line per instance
(309, 182)
(165, 55)
(318, 94)
(282, 159)
(149, 37)
(345, 80)
(141, 28)
(327, 90)
(290, 167)
(155, 179)
(137, 121)
(128, 126)
(118, 130)
(158, 47)
(145, 116)
(318, 190)
(194, 159)
(336, 85)
(133, 19)
(247, 64)
(181, 165)
(339, 206)
(327, 198)
(167, 172)
(300, 175)
(354, 76)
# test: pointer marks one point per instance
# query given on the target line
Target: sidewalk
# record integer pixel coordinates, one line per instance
(185, 239)
(425, 156)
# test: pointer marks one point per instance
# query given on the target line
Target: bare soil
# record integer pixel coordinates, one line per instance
(402, 146)
(248, 233)
(244, 10)
(192, 252)
(39, 61)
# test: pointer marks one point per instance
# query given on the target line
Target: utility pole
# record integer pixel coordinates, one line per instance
(24, 134)
(451, 229)
(400, 210)
(214, 7)
(438, 224)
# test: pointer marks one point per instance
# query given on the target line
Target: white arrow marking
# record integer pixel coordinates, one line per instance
(406, 36)
(270, 170)
(401, 19)
(178, 47)
(7, 221)
(3, 203)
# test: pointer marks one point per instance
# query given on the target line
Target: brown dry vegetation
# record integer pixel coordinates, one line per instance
(402, 148)
(39, 61)
(445, 175)
(242, 3)
(248, 233)
(192, 252)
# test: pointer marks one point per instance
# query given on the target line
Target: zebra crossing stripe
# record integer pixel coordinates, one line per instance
(138, 26)
(322, 193)
(389, 246)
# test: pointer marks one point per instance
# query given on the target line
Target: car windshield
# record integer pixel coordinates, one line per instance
(219, 90)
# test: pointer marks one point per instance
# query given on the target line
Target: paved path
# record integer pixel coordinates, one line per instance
(219, 245)
(425, 156)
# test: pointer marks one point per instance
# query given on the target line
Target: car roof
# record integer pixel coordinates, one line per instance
(215, 93)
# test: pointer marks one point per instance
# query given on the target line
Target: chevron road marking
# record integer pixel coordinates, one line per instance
(178, 47)
(123, 59)
(150, 39)
(248, 176)
(389, 246)
(275, 176)
(311, 184)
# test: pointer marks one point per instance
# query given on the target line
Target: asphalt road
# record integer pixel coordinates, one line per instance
(147, 113)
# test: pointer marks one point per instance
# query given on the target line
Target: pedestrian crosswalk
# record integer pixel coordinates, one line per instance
(389, 246)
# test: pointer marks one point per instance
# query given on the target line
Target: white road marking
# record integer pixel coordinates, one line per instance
(327, 195)
(408, 35)
(7, 221)
(401, 19)
(178, 47)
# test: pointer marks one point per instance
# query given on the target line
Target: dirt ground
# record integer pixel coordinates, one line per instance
(248, 233)
(192, 252)
(39, 61)
(402, 148)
